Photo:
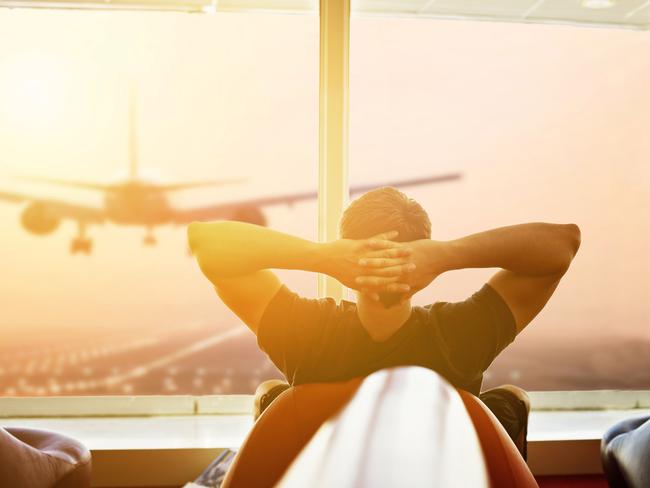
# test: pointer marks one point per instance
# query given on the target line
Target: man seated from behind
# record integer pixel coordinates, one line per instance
(387, 255)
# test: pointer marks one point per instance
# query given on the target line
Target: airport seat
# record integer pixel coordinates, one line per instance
(266, 393)
(288, 424)
(282, 431)
(506, 466)
(625, 453)
(403, 427)
(31, 458)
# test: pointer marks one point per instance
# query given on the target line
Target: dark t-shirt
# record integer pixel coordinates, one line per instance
(316, 340)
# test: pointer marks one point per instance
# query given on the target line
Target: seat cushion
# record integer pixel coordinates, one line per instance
(38, 458)
(625, 453)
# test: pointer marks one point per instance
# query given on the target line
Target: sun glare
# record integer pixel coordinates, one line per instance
(32, 90)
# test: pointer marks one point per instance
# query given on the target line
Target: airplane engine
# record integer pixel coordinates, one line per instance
(251, 215)
(38, 219)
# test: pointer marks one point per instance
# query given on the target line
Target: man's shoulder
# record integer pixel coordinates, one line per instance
(286, 302)
(424, 314)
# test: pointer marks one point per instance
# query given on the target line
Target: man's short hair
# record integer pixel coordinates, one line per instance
(382, 210)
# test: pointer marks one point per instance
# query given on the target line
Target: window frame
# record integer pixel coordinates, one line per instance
(164, 465)
(333, 195)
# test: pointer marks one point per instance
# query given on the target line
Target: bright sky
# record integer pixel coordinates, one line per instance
(545, 122)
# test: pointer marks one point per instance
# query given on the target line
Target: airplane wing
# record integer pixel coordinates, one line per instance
(355, 190)
(105, 187)
(198, 184)
(68, 183)
(59, 209)
(226, 210)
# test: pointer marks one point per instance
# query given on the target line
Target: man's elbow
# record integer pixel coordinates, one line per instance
(570, 235)
(194, 236)
(573, 238)
(204, 240)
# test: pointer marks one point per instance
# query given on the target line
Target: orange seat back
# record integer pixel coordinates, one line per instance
(288, 424)
(506, 467)
(283, 430)
(404, 426)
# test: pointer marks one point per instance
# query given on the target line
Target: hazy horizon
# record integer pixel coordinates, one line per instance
(545, 123)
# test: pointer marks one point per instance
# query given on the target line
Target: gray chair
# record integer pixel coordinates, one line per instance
(625, 453)
(31, 458)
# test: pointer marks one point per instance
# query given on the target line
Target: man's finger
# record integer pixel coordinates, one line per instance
(398, 288)
(394, 252)
(375, 281)
(383, 262)
(390, 288)
(379, 244)
(385, 236)
(397, 270)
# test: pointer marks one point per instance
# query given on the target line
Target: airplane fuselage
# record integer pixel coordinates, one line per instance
(137, 203)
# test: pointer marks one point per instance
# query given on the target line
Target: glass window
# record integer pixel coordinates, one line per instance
(544, 123)
(113, 106)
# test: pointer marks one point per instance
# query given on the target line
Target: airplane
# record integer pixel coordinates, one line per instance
(138, 202)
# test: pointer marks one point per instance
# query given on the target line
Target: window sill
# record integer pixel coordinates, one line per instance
(147, 433)
(170, 450)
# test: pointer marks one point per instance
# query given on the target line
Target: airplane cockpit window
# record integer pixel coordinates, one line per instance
(116, 130)
(540, 123)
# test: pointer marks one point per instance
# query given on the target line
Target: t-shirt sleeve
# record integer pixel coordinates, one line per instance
(475, 330)
(294, 330)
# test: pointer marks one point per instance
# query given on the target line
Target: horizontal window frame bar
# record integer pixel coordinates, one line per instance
(208, 7)
(590, 400)
(168, 405)
(124, 406)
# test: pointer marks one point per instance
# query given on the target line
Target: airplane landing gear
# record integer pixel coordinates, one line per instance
(149, 239)
(81, 243)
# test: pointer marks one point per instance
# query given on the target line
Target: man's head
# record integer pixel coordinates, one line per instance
(382, 210)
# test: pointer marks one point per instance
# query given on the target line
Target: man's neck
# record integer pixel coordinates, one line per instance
(379, 322)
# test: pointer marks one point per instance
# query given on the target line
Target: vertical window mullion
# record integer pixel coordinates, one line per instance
(333, 188)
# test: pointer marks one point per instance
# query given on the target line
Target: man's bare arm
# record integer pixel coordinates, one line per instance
(533, 258)
(229, 249)
(237, 257)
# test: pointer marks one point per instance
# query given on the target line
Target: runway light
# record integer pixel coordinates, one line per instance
(597, 4)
